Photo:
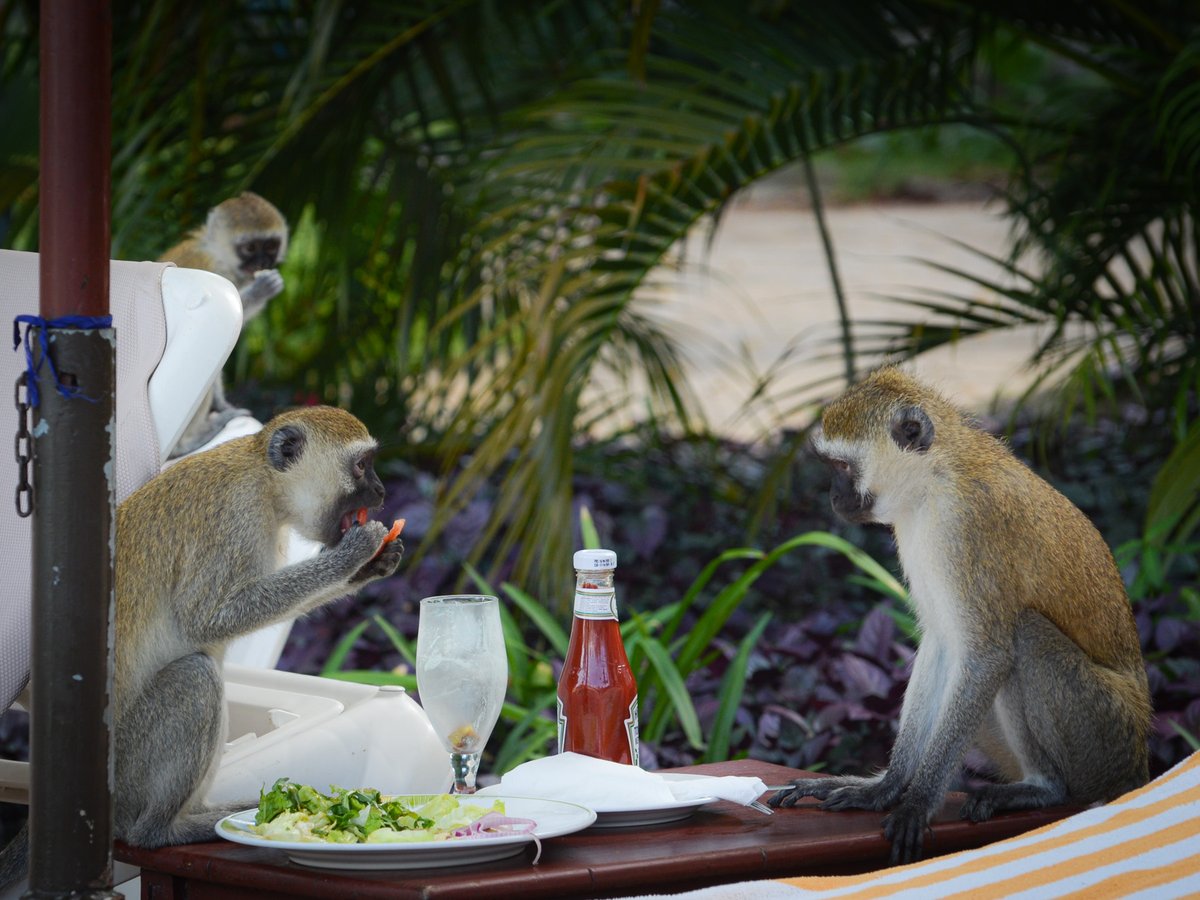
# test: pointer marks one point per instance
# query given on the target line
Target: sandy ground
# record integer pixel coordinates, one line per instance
(760, 300)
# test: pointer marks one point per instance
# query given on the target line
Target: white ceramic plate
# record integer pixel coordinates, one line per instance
(554, 819)
(652, 814)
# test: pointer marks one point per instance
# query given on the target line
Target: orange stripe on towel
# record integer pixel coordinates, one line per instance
(1053, 837)
(1127, 883)
(1123, 852)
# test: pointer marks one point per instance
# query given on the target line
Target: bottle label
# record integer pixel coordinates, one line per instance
(631, 730)
(562, 726)
(595, 603)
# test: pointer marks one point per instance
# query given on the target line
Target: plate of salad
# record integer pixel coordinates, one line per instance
(365, 829)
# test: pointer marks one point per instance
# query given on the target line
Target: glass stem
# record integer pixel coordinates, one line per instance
(463, 766)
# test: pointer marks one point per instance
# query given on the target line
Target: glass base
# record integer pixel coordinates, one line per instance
(463, 767)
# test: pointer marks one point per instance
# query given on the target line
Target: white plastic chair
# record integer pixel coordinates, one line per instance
(175, 329)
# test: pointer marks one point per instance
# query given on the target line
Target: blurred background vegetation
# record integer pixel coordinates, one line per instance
(481, 191)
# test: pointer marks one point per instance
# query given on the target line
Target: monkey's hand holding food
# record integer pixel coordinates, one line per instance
(388, 553)
(297, 812)
(356, 549)
(393, 532)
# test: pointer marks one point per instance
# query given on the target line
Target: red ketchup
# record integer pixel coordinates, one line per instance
(597, 693)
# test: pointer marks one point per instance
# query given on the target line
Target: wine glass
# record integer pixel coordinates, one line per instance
(462, 676)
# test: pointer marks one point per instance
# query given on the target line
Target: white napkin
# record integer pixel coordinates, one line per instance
(603, 785)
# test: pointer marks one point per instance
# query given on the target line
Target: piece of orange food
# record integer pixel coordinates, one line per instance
(397, 527)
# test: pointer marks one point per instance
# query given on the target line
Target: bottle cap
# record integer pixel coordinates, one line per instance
(592, 560)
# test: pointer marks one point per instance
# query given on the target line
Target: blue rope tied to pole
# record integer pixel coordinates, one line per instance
(30, 322)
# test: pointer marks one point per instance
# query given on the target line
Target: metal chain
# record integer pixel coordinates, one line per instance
(24, 450)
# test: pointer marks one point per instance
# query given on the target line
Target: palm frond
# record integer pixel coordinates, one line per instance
(600, 180)
(479, 191)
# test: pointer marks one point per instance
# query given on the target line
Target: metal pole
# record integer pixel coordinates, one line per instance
(70, 741)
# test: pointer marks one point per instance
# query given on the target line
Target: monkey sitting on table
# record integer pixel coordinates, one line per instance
(199, 549)
(198, 563)
(243, 239)
(1028, 645)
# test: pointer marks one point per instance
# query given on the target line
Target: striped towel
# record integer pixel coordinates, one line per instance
(1145, 844)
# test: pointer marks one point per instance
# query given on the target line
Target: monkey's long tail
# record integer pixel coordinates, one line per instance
(14, 859)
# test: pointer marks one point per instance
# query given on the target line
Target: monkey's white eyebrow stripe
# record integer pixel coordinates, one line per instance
(833, 447)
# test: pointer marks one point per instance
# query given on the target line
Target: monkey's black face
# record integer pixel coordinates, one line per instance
(368, 495)
(257, 253)
(847, 502)
(368, 486)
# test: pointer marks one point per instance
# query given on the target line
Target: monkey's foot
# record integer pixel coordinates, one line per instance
(213, 424)
(982, 803)
(219, 418)
(905, 827)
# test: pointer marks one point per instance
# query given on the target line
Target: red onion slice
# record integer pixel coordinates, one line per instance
(494, 824)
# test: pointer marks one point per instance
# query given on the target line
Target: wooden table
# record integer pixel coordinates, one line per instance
(721, 843)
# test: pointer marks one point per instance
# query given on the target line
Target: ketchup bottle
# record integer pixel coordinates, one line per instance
(597, 693)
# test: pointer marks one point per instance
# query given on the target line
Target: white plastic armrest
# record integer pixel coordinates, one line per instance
(204, 320)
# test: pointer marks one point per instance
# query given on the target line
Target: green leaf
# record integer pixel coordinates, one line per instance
(370, 676)
(729, 697)
(337, 657)
(700, 582)
(722, 606)
(587, 528)
(905, 622)
(1175, 492)
(398, 640)
(680, 701)
(529, 735)
(1192, 740)
(542, 619)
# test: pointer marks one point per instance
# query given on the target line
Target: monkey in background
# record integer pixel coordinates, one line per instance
(244, 239)
(1028, 645)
